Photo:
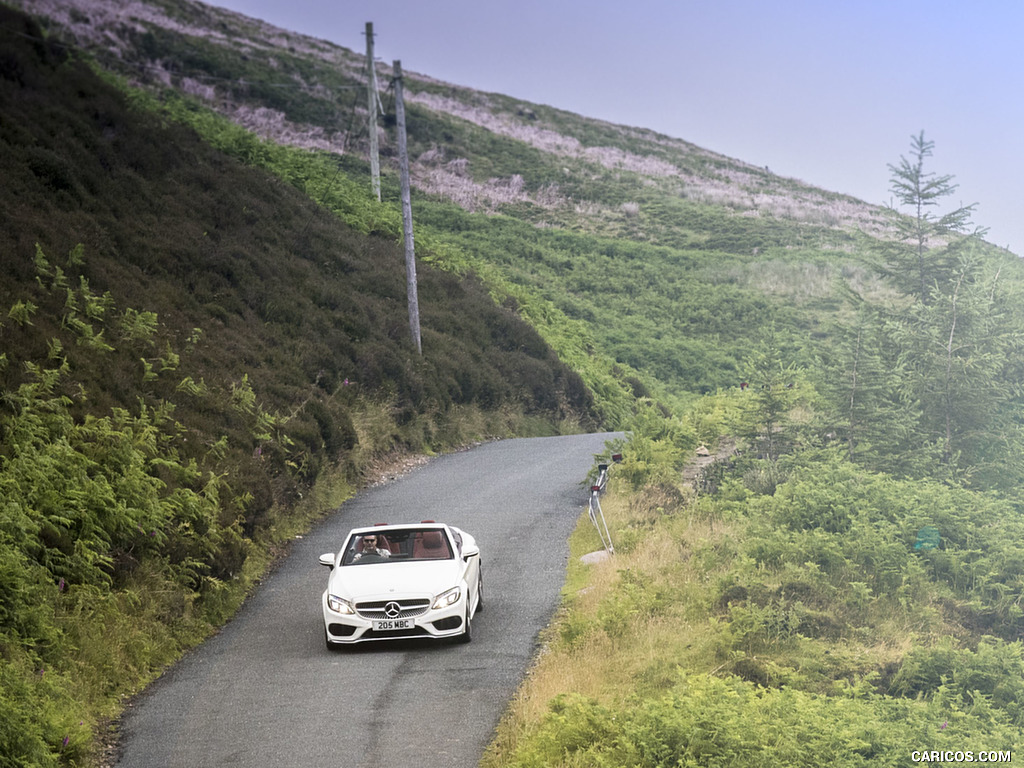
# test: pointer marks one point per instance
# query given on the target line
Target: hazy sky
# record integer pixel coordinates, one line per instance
(826, 91)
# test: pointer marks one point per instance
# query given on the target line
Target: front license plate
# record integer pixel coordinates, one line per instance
(389, 625)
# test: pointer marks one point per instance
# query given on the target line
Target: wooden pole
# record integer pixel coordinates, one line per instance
(410, 251)
(371, 78)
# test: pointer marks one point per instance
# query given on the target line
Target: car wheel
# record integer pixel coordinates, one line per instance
(467, 631)
(480, 593)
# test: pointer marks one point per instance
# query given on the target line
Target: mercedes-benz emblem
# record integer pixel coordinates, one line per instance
(392, 610)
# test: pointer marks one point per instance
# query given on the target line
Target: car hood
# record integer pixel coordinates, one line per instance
(382, 580)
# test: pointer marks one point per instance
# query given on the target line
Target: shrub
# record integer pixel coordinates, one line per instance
(722, 723)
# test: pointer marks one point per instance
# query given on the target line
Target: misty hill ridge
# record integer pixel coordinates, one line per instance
(586, 147)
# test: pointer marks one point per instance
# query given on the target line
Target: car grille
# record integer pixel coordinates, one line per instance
(393, 609)
(395, 634)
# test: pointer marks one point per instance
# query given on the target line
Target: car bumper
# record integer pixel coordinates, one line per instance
(347, 628)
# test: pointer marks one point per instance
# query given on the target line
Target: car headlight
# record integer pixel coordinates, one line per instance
(445, 599)
(339, 605)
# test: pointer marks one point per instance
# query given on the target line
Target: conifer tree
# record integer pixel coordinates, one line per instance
(951, 343)
(765, 422)
(874, 417)
(927, 242)
(958, 349)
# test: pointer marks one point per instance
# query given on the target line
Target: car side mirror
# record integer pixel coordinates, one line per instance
(468, 552)
(328, 560)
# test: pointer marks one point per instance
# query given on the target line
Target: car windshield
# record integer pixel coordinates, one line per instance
(397, 545)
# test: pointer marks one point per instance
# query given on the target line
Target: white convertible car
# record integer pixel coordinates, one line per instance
(391, 582)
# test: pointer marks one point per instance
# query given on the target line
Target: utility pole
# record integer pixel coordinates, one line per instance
(410, 251)
(371, 80)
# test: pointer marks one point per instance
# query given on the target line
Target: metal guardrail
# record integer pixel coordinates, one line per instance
(596, 514)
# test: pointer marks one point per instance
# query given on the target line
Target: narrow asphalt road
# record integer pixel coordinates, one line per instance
(265, 693)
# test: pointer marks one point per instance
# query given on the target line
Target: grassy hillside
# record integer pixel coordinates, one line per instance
(844, 586)
(571, 218)
(580, 217)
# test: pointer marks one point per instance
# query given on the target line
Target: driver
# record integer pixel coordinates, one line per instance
(369, 547)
